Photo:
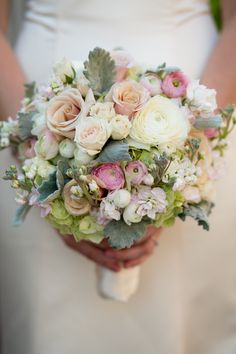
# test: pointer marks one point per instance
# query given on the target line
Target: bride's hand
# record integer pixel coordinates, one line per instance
(113, 259)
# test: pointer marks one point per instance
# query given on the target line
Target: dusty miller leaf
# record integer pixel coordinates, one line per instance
(120, 235)
(30, 90)
(25, 124)
(115, 151)
(20, 214)
(198, 214)
(100, 70)
(211, 122)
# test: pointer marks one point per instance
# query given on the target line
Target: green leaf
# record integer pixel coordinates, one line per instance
(61, 176)
(48, 190)
(211, 122)
(115, 151)
(20, 215)
(25, 124)
(162, 164)
(100, 70)
(197, 213)
(30, 90)
(121, 235)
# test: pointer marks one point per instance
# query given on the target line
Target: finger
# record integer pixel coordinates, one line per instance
(134, 252)
(135, 262)
(93, 253)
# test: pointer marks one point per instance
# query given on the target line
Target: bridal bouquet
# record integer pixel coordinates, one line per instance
(107, 148)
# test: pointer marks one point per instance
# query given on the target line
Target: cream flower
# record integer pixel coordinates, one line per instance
(103, 110)
(74, 203)
(64, 70)
(160, 123)
(121, 126)
(128, 96)
(92, 133)
(65, 110)
(200, 98)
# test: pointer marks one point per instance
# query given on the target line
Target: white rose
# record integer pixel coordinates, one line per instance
(130, 214)
(122, 198)
(64, 70)
(191, 194)
(160, 123)
(81, 157)
(200, 98)
(92, 134)
(67, 148)
(121, 126)
(104, 110)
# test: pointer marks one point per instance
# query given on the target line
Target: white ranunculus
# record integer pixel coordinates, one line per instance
(200, 98)
(121, 126)
(130, 214)
(92, 134)
(64, 70)
(81, 157)
(67, 148)
(122, 198)
(160, 123)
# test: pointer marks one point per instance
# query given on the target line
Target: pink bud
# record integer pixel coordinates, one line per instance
(175, 84)
(136, 171)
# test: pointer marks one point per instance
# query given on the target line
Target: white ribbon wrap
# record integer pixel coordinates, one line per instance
(118, 286)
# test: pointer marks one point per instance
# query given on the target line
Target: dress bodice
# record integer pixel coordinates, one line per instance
(153, 31)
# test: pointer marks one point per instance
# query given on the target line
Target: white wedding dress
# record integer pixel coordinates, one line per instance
(186, 302)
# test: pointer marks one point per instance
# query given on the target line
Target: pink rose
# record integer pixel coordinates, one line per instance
(136, 171)
(123, 61)
(152, 83)
(128, 96)
(175, 84)
(111, 174)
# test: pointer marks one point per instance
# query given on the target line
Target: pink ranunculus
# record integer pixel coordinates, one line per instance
(123, 61)
(211, 132)
(175, 84)
(129, 97)
(136, 171)
(152, 83)
(111, 174)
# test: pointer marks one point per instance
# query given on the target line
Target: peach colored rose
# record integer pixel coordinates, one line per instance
(128, 96)
(65, 110)
(74, 201)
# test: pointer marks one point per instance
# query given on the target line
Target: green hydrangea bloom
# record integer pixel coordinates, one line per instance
(173, 209)
(82, 228)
